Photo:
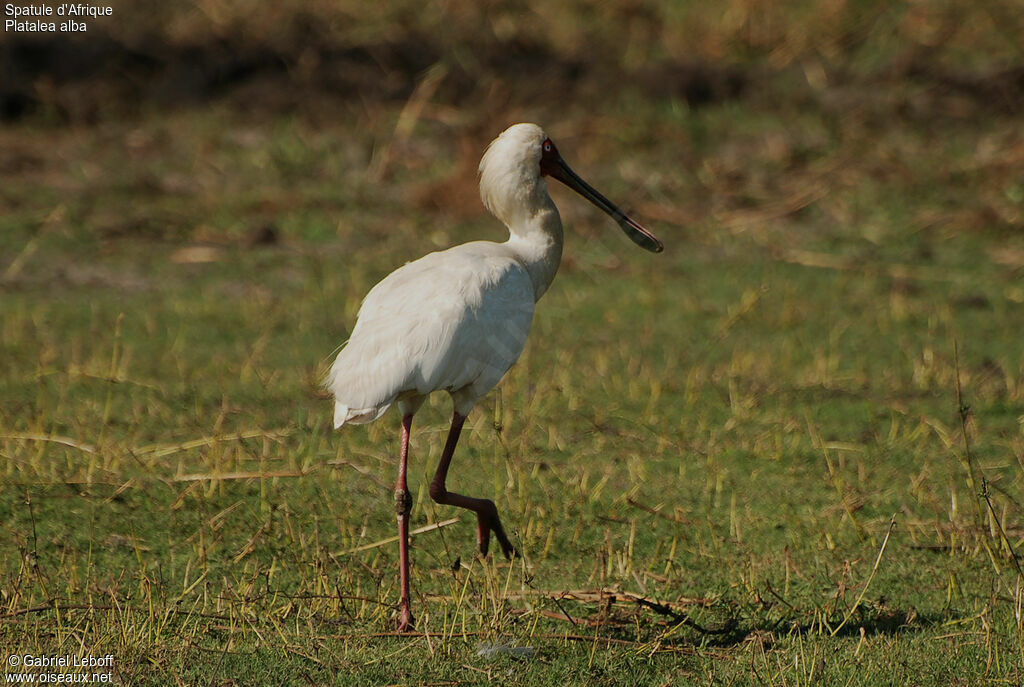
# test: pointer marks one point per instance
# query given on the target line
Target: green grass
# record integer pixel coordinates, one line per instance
(725, 431)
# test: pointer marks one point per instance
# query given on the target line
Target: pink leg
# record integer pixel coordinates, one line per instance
(403, 506)
(487, 520)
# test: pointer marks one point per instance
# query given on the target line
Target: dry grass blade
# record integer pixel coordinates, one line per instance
(829, 261)
(161, 450)
(867, 583)
(407, 119)
(390, 540)
(740, 220)
(242, 475)
(52, 438)
(836, 478)
(655, 511)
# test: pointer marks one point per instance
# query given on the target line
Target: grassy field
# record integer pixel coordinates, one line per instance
(787, 451)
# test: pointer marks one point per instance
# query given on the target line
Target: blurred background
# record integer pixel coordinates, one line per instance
(195, 196)
(746, 111)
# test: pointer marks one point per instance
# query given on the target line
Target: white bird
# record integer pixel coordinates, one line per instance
(457, 320)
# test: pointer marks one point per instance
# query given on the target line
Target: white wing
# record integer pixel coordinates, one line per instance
(455, 320)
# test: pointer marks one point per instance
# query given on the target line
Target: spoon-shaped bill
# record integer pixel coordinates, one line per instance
(639, 235)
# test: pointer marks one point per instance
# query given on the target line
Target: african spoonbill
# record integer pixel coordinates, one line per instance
(456, 320)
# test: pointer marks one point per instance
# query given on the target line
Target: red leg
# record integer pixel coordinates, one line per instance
(403, 506)
(487, 520)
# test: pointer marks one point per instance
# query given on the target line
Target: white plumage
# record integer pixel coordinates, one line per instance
(456, 320)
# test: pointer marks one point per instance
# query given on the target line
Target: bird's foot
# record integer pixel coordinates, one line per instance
(405, 622)
(487, 522)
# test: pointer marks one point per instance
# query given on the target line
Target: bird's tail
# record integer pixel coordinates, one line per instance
(363, 388)
(356, 416)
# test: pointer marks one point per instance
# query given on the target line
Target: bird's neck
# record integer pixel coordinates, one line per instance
(537, 243)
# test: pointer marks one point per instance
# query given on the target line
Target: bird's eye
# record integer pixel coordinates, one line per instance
(547, 146)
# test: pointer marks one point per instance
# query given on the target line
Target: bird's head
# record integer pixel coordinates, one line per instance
(512, 173)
